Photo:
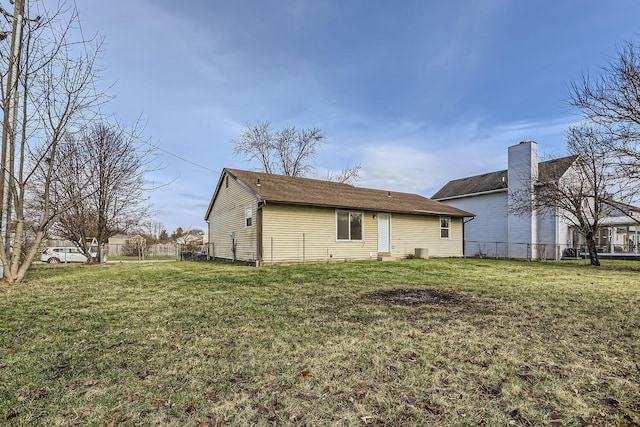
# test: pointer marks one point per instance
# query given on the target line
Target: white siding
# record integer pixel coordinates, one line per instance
(497, 232)
(547, 231)
(486, 234)
(564, 236)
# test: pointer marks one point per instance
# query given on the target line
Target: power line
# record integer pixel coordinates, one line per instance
(86, 52)
(149, 143)
(157, 147)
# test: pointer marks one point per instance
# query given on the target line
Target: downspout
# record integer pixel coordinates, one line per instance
(464, 240)
(233, 244)
(259, 247)
(557, 244)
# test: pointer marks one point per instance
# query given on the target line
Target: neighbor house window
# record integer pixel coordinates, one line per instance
(248, 217)
(349, 225)
(444, 228)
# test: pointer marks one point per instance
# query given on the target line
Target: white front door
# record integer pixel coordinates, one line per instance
(384, 233)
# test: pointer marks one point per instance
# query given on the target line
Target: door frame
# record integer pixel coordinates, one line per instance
(388, 221)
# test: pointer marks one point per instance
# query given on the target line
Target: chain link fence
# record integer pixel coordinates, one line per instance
(543, 251)
(140, 251)
(158, 252)
(479, 249)
(529, 251)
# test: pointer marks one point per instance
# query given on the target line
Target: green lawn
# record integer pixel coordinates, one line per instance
(146, 258)
(416, 342)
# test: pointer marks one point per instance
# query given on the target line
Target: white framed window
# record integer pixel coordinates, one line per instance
(348, 225)
(248, 217)
(445, 227)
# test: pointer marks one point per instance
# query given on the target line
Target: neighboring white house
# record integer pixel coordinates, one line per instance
(497, 232)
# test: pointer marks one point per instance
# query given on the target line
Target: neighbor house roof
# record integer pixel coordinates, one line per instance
(271, 188)
(550, 170)
(623, 209)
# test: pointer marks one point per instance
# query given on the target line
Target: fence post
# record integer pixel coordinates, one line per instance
(271, 250)
(303, 248)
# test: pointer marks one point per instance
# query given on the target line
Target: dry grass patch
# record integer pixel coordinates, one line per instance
(436, 342)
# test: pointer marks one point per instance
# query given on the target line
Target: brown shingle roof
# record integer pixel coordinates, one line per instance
(550, 170)
(304, 191)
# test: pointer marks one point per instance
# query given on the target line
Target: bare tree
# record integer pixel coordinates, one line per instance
(590, 191)
(48, 89)
(612, 101)
(103, 167)
(286, 152)
(153, 229)
(256, 143)
(348, 174)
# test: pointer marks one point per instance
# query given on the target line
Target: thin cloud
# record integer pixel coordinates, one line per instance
(416, 92)
(463, 150)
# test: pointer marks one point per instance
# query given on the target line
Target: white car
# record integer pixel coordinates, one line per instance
(57, 254)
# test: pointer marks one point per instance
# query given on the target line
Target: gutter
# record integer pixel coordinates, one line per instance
(462, 213)
(259, 236)
(461, 196)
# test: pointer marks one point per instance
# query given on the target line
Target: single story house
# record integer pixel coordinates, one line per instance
(496, 231)
(266, 218)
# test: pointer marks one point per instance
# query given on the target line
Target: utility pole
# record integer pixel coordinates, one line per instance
(9, 125)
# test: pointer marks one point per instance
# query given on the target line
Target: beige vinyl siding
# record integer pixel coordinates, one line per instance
(409, 232)
(295, 232)
(227, 216)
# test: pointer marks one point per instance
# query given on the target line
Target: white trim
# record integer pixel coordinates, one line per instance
(248, 215)
(390, 228)
(361, 213)
(462, 196)
(448, 227)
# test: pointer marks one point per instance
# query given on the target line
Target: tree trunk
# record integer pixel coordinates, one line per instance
(15, 272)
(593, 252)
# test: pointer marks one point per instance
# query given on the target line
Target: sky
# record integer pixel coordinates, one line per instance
(418, 92)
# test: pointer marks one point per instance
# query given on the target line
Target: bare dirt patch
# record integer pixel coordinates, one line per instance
(416, 297)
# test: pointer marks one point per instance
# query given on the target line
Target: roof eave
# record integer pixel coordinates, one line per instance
(238, 180)
(461, 213)
(215, 194)
(461, 196)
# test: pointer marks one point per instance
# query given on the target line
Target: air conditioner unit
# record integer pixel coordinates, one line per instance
(422, 253)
